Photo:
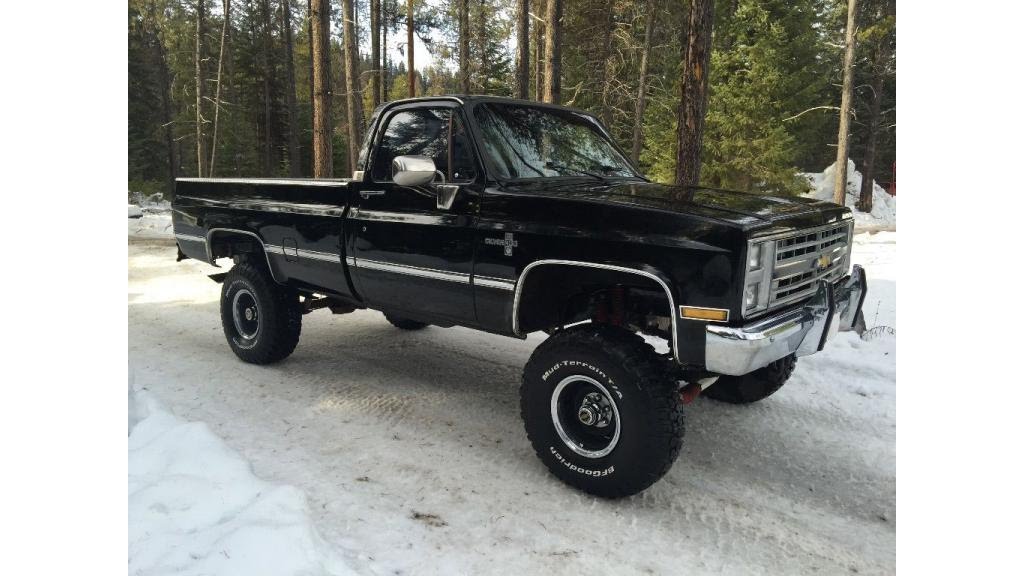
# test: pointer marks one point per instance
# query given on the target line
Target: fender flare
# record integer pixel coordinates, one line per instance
(651, 274)
(263, 246)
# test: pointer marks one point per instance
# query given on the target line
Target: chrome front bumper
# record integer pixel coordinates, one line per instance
(802, 331)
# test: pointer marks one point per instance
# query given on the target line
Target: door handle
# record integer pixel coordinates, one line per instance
(368, 193)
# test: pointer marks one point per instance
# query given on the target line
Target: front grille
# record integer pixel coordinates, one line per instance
(801, 260)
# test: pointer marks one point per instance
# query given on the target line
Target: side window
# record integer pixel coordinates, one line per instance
(422, 132)
(463, 166)
(425, 132)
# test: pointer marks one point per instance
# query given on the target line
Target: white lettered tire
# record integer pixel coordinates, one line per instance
(601, 411)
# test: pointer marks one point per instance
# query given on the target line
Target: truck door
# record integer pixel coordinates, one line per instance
(409, 256)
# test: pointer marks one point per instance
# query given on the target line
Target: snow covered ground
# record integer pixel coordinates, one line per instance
(413, 460)
(196, 508)
(883, 206)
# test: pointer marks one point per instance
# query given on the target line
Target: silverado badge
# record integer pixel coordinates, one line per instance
(509, 242)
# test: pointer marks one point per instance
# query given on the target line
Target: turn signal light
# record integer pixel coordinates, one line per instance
(708, 314)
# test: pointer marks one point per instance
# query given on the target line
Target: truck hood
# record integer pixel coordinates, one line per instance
(744, 209)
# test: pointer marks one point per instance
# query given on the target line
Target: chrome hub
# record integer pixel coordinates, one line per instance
(585, 416)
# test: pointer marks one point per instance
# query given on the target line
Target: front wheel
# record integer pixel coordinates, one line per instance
(261, 319)
(757, 385)
(601, 410)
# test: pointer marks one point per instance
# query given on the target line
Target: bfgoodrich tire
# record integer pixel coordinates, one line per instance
(261, 319)
(757, 385)
(601, 411)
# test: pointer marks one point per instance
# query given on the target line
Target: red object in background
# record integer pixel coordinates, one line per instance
(891, 189)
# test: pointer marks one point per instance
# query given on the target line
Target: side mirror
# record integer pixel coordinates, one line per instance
(413, 170)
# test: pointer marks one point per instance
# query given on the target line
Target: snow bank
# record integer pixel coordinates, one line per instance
(883, 206)
(195, 507)
(149, 217)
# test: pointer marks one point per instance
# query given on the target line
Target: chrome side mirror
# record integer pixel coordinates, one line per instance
(413, 170)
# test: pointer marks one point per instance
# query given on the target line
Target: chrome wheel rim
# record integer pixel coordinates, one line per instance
(585, 416)
(245, 313)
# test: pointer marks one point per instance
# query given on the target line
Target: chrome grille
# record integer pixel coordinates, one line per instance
(805, 258)
(791, 265)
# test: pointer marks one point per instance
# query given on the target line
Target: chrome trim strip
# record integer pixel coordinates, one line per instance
(283, 181)
(644, 273)
(317, 255)
(274, 249)
(190, 238)
(402, 217)
(266, 254)
(491, 282)
(350, 261)
(413, 271)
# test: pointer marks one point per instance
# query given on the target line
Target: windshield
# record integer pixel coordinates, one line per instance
(529, 142)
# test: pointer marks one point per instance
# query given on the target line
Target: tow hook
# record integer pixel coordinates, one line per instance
(690, 391)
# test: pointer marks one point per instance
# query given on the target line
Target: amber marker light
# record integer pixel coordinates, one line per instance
(706, 314)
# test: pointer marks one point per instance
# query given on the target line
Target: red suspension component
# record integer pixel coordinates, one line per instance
(689, 393)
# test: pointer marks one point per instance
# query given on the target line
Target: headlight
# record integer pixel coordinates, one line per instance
(760, 258)
(754, 257)
(750, 296)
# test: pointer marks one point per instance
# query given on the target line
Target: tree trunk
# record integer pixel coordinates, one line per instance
(294, 158)
(323, 155)
(604, 62)
(843, 154)
(522, 80)
(375, 52)
(352, 88)
(220, 78)
(538, 61)
(200, 138)
(464, 46)
(484, 68)
(267, 64)
(641, 92)
(881, 60)
(385, 80)
(553, 53)
(410, 49)
(166, 118)
(694, 91)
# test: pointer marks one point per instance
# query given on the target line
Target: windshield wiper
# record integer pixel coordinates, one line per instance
(579, 171)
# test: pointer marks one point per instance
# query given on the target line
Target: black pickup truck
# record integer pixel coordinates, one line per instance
(514, 217)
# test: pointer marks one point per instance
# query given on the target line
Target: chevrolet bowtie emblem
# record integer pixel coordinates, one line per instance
(824, 262)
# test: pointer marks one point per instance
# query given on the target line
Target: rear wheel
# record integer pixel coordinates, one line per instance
(757, 385)
(261, 319)
(405, 323)
(601, 410)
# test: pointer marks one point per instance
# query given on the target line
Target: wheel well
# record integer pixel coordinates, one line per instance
(238, 244)
(552, 296)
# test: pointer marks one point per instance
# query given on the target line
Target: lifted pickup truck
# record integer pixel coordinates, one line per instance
(514, 217)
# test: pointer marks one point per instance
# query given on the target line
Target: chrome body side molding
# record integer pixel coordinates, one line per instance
(264, 181)
(611, 267)
(189, 238)
(496, 283)
(432, 273)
